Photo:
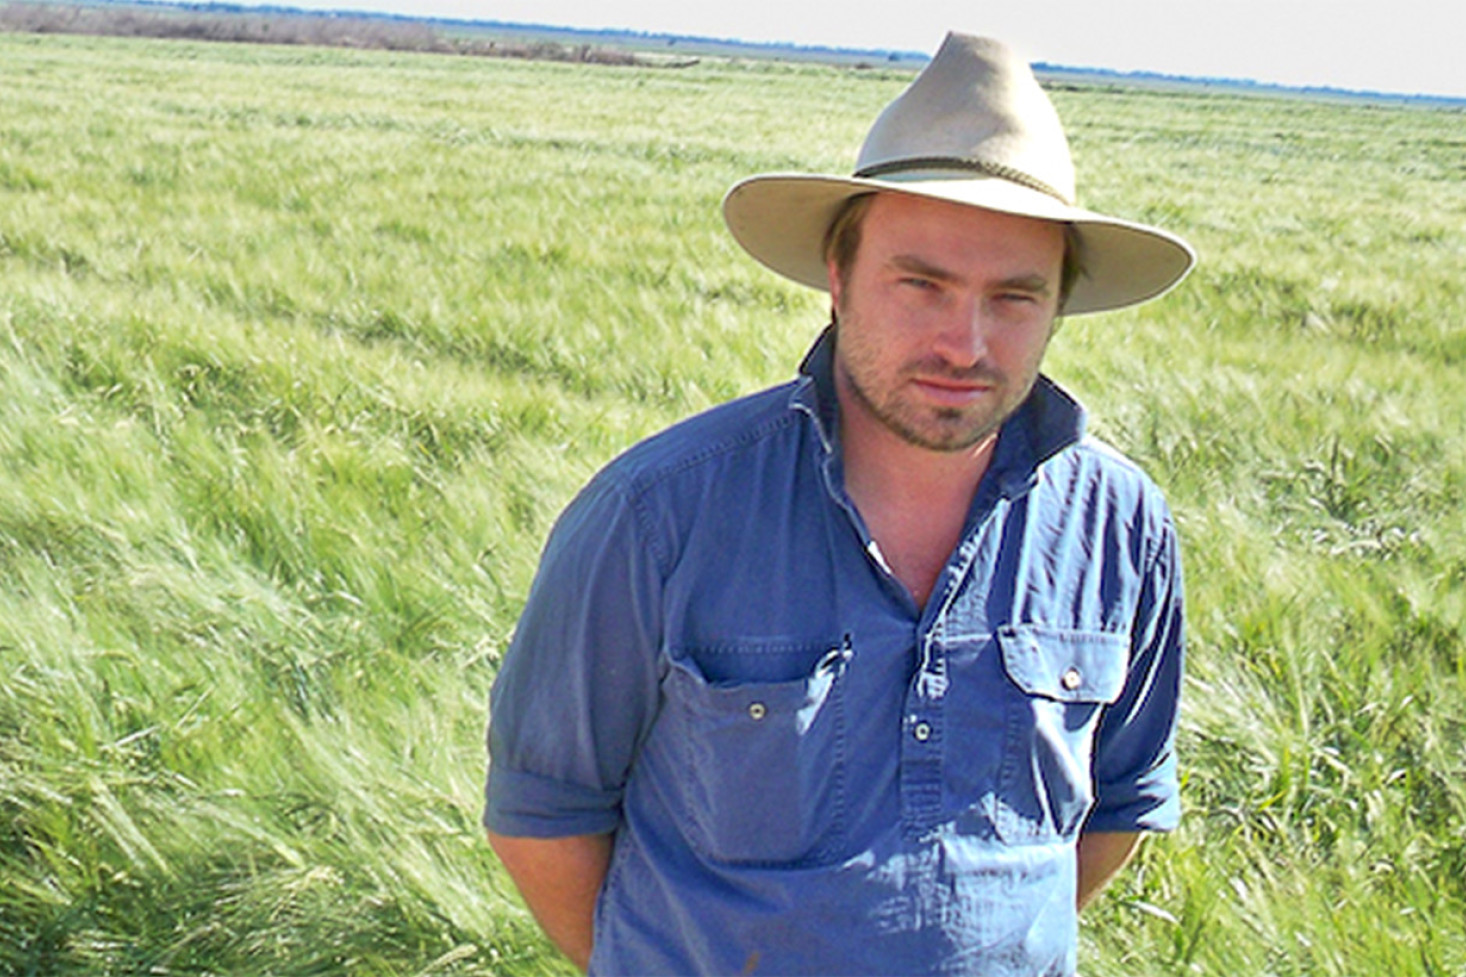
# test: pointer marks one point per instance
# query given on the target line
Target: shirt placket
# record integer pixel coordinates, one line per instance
(924, 718)
(922, 735)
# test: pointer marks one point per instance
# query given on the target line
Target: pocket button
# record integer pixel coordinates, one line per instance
(1071, 679)
(757, 711)
(922, 732)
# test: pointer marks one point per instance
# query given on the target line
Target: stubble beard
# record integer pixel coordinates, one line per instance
(933, 428)
(941, 429)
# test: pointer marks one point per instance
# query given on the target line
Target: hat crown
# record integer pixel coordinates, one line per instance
(976, 107)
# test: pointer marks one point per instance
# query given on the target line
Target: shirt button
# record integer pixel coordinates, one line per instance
(922, 732)
(757, 711)
(1071, 679)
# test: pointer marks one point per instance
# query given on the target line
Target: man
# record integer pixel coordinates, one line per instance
(875, 672)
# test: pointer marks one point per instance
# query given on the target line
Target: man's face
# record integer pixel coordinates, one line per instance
(943, 319)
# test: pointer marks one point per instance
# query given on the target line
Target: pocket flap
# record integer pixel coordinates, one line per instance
(1065, 665)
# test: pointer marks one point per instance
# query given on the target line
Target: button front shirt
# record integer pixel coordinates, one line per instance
(804, 771)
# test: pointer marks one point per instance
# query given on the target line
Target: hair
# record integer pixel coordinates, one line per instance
(842, 241)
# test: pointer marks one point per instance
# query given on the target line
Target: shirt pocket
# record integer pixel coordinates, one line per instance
(1061, 682)
(763, 781)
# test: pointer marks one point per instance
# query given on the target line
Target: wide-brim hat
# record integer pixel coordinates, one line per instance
(974, 128)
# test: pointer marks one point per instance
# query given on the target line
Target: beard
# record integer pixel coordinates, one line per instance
(894, 402)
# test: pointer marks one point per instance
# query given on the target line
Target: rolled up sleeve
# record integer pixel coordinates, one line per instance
(577, 689)
(1136, 783)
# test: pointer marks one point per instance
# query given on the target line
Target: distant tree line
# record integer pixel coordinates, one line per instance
(328, 30)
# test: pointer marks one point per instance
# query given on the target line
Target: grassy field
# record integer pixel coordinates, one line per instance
(302, 350)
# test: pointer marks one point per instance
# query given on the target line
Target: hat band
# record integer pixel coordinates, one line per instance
(984, 167)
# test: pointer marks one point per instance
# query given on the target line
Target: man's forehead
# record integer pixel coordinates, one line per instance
(901, 209)
(938, 233)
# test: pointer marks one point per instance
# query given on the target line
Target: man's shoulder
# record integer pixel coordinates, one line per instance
(1101, 453)
(1096, 462)
(700, 441)
(1094, 485)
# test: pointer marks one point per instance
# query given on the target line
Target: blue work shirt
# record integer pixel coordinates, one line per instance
(804, 771)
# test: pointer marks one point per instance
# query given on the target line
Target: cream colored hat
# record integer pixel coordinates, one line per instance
(974, 128)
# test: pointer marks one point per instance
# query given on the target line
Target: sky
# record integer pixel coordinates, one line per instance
(1396, 46)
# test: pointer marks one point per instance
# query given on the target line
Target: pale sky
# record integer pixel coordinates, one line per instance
(1403, 46)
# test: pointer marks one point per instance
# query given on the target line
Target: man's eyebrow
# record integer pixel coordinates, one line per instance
(920, 266)
(1035, 283)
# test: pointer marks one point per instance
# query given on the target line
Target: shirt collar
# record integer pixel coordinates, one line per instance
(1048, 421)
(815, 392)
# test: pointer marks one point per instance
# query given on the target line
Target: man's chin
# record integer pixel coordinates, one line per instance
(952, 434)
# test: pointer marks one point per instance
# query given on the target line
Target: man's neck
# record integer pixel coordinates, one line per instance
(914, 500)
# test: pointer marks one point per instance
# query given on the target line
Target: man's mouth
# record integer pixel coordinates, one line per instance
(953, 392)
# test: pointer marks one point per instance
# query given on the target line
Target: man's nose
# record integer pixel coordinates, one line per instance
(962, 334)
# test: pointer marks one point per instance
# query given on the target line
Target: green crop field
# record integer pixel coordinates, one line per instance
(301, 351)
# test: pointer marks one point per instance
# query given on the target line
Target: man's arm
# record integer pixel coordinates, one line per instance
(1101, 855)
(559, 879)
(575, 695)
(1135, 780)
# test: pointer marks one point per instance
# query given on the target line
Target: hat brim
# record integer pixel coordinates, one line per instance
(781, 220)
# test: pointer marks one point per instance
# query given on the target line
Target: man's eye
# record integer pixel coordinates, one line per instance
(921, 283)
